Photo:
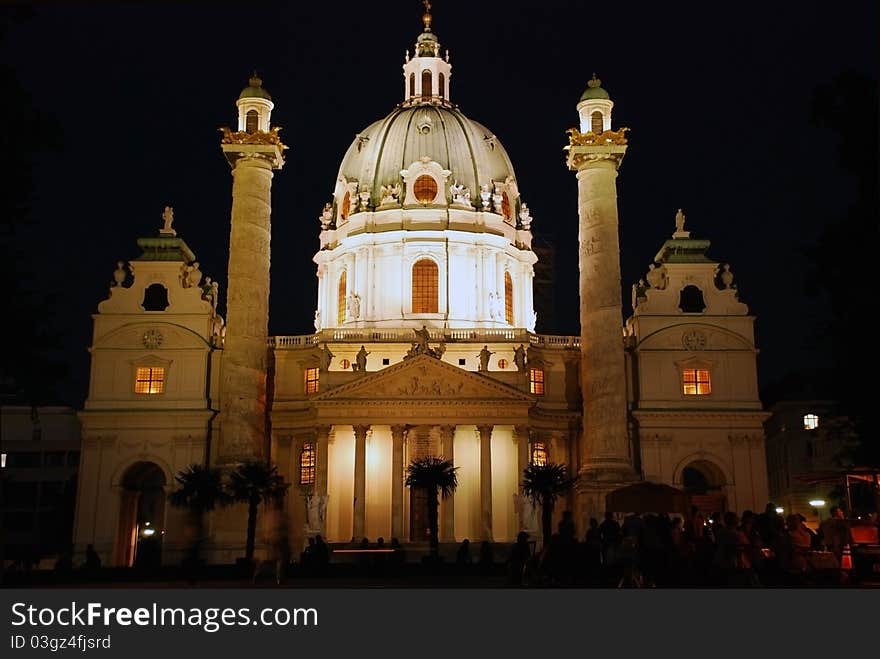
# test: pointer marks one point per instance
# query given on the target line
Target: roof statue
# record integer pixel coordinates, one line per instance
(679, 226)
(168, 218)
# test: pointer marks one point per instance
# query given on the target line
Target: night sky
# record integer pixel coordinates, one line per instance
(126, 100)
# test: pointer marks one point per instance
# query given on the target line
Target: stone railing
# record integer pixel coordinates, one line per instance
(406, 335)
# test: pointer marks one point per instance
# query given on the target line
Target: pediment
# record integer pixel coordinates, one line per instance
(424, 378)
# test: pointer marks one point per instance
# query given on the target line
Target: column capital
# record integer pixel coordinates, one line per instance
(322, 432)
(399, 431)
(521, 433)
(360, 431)
(446, 430)
(485, 430)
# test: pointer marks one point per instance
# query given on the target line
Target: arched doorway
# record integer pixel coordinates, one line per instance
(141, 516)
(704, 483)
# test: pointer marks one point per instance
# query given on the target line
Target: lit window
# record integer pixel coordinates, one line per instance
(3, 461)
(505, 206)
(251, 121)
(536, 381)
(341, 291)
(412, 84)
(442, 85)
(539, 454)
(508, 298)
(502, 363)
(811, 421)
(346, 205)
(425, 188)
(426, 84)
(312, 377)
(696, 382)
(307, 464)
(345, 364)
(149, 380)
(596, 122)
(424, 286)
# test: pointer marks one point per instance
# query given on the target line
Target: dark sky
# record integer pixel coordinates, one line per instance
(717, 97)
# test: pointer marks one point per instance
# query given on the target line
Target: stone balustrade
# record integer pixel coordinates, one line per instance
(406, 335)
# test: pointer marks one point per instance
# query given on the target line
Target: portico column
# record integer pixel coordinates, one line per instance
(486, 481)
(398, 433)
(447, 506)
(322, 455)
(521, 439)
(360, 480)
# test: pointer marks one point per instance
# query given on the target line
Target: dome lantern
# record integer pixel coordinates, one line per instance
(594, 108)
(426, 75)
(254, 107)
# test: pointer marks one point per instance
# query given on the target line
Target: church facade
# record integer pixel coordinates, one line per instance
(424, 345)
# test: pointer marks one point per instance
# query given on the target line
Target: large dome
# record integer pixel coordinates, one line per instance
(440, 132)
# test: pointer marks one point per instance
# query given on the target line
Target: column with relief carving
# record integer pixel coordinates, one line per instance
(485, 482)
(447, 506)
(398, 436)
(360, 481)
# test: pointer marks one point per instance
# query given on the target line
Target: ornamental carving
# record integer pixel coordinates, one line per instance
(152, 339)
(577, 138)
(694, 340)
(256, 137)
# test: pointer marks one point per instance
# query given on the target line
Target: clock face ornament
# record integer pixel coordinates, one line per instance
(152, 339)
(694, 340)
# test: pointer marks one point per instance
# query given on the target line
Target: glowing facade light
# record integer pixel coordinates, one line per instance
(149, 532)
(817, 503)
(779, 510)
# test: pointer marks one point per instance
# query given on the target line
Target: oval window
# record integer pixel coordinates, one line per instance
(425, 189)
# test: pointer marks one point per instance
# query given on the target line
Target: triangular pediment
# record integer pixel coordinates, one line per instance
(424, 378)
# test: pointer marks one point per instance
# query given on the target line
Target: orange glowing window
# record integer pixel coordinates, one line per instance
(341, 295)
(502, 363)
(312, 379)
(696, 382)
(149, 380)
(536, 381)
(346, 205)
(539, 454)
(346, 364)
(508, 298)
(425, 189)
(307, 463)
(424, 286)
(596, 122)
(505, 206)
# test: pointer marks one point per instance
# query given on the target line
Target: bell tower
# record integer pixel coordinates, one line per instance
(595, 153)
(254, 151)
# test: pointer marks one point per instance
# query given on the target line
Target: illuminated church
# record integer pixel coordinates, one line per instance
(424, 345)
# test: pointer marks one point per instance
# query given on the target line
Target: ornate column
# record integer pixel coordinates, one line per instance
(486, 481)
(521, 439)
(604, 454)
(447, 506)
(398, 435)
(253, 155)
(360, 480)
(322, 455)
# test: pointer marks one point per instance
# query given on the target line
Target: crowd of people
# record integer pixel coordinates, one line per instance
(725, 549)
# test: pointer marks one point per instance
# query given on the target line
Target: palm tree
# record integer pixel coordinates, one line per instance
(438, 478)
(199, 490)
(254, 483)
(543, 484)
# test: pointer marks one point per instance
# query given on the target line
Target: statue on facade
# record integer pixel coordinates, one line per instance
(484, 356)
(422, 337)
(485, 196)
(657, 276)
(167, 218)
(679, 226)
(525, 217)
(316, 510)
(194, 275)
(215, 294)
(361, 360)
(326, 358)
(638, 293)
(218, 331)
(119, 274)
(326, 217)
(390, 194)
(317, 320)
(493, 305)
(519, 358)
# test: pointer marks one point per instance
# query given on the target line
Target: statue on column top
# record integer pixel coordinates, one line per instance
(168, 218)
(679, 226)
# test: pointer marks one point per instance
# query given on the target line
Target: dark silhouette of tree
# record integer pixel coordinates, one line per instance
(438, 477)
(254, 483)
(199, 490)
(543, 485)
(843, 261)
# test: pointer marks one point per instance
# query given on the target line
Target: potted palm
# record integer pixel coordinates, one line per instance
(254, 483)
(199, 490)
(543, 485)
(439, 478)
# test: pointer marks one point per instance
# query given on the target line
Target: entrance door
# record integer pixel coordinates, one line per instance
(419, 530)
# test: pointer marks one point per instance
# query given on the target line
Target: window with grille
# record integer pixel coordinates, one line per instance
(505, 206)
(312, 378)
(539, 454)
(811, 421)
(502, 363)
(425, 189)
(251, 121)
(596, 122)
(424, 286)
(696, 382)
(149, 380)
(341, 292)
(307, 461)
(427, 92)
(346, 206)
(508, 298)
(536, 381)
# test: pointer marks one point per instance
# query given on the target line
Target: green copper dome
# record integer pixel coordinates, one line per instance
(594, 90)
(255, 89)
(468, 149)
